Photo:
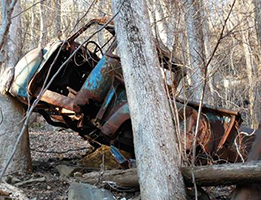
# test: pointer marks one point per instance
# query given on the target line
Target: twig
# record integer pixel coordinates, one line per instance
(238, 146)
(87, 11)
(42, 179)
(114, 186)
(43, 90)
(98, 9)
(27, 9)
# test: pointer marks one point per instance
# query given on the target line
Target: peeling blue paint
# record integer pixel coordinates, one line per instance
(24, 71)
(99, 80)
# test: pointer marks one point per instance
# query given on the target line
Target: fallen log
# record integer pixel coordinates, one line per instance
(211, 175)
(223, 174)
(122, 178)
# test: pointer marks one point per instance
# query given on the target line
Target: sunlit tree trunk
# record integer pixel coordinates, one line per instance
(32, 31)
(156, 147)
(158, 18)
(43, 30)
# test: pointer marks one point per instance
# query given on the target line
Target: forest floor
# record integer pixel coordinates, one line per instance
(51, 147)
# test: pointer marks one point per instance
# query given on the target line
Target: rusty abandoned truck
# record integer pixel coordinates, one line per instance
(87, 94)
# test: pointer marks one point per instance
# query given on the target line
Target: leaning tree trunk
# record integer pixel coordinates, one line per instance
(156, 147)
(11, 111)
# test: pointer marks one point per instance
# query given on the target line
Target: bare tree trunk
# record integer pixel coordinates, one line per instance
(196, 45)
(210, 93)
(251, 79)
(101, 14)
(7, 9)
(57, 16)
(158, 20)
(11, 111)
(32, 32)
(11, 124)
(77, 17)
(43, 30)
(257, 4)
(156, 147)
(250, 69)
(15, 35)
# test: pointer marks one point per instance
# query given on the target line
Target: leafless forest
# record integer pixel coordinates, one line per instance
(215, 44)
(193, 31)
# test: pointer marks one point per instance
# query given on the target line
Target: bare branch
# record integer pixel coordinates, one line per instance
(60, 152)
(27, 9)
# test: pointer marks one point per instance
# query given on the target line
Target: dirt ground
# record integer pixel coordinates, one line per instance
(50, 147)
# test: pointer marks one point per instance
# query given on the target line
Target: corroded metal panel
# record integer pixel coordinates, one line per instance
(116, 120)
(24, 71)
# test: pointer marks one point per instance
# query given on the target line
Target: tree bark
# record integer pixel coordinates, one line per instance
(43, 31)
(224, 174)
(195, 35)
(11, 111)
(57, 16)
(257, 5)
(15, 35)
(254, 111)
(11, 116)
(156, 147)
(7, 10)
(122, 178)
(101, 15)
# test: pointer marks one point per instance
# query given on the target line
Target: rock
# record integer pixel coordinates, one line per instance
(81, 191)
(101, 156)
(65, 170)
(77, 175)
